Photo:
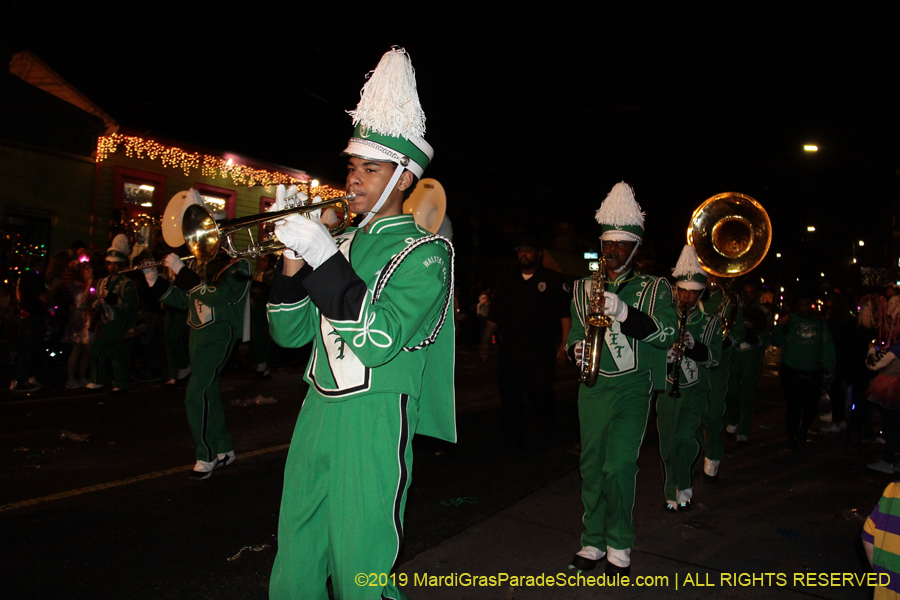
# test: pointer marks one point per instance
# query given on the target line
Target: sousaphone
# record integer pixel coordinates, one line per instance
(427, 204)
(731, 234)
(173, 215)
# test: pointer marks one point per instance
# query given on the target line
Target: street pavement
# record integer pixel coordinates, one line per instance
(116, 515)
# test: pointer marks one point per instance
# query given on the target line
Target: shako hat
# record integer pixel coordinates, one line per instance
(389, 124)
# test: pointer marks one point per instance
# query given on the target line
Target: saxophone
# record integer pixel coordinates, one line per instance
(679, 354)
(594, 327)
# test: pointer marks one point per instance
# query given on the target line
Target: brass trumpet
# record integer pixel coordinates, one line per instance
(204, 236)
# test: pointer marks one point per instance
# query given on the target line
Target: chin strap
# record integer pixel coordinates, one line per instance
(384, 196)
(627, 262)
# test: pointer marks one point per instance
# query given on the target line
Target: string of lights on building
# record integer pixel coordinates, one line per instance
(209, 166)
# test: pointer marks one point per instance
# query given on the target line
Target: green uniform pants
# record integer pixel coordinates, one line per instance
(678, 422)
(210, 349)
(345, 483)
(744, 374)
(613, 417)
(715, 409)
(109, 346)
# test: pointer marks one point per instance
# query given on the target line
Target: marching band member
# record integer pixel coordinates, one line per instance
(117, 296)
(216, 305)
(746, 363)
(678, 414)
(725, 307)
(613, 413)
(374, 302)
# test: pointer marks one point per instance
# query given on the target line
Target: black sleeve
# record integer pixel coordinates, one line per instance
(638, 325)
(335, 288)
(699, 352)
(288, 290)
(187, 279)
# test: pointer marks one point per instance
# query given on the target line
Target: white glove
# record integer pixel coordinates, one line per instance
(614, 307)
(151, 275)
(670, 355)
(307, 238)
(688, 340)
(174, 263)
(281, 194)
(579, 353)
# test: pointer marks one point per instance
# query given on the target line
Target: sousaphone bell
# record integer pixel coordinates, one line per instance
(731, 234)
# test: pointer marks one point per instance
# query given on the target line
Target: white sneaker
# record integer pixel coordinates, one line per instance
(826, 418)
(741, 439)
(731, 428)
(831, 428)
(94, 386)
(203, 469)
(882, 465)
(74, 384)
(225, 459)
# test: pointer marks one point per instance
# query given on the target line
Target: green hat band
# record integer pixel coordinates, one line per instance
(698, 277)
(635, 230)
(399, 144)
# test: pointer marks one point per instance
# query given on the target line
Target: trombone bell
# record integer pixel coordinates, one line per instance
(204, 237)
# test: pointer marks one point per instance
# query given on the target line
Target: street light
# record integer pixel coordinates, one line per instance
(810, 228)
(810, 148)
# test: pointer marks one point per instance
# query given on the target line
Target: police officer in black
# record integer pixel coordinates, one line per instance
(530, 316)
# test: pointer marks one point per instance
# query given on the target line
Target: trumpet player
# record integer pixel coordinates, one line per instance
(613, 413)
(696, 350)
(374, 303)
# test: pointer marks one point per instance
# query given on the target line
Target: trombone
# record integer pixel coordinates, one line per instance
(204, 237)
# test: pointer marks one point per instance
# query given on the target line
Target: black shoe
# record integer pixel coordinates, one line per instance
(711, 479)
(260, 375)
(670, 508)
(584, 564)
(685, 506)
(613, 570)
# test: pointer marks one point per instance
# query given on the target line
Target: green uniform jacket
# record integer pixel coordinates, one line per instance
(707, 332)
(639, 344)
(222, 301)
(377, 312)
(807, 343)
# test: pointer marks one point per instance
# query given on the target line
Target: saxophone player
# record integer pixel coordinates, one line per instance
(613, 413)
(697, 349)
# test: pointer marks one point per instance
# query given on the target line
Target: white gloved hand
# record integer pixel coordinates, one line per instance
(151, 274)
(579, 353)
(614, 307)
(688, 340)
(670, 355)
(307, 238)
(174, 263)
(281, 194)
(883, 361)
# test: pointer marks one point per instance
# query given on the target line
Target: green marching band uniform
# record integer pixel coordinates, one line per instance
(746, 365)
(374, 383)
(721, 305)
(378, 313)
(613, 413)
(678, 419)
(216, 309)
(119, 296)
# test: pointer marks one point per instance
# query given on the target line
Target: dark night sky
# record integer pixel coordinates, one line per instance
(540, 111)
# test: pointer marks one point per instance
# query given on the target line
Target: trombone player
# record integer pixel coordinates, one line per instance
(613, 413)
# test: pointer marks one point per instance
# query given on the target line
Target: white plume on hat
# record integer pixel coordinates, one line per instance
(688, 271)
(620, 208)
(389, 102)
